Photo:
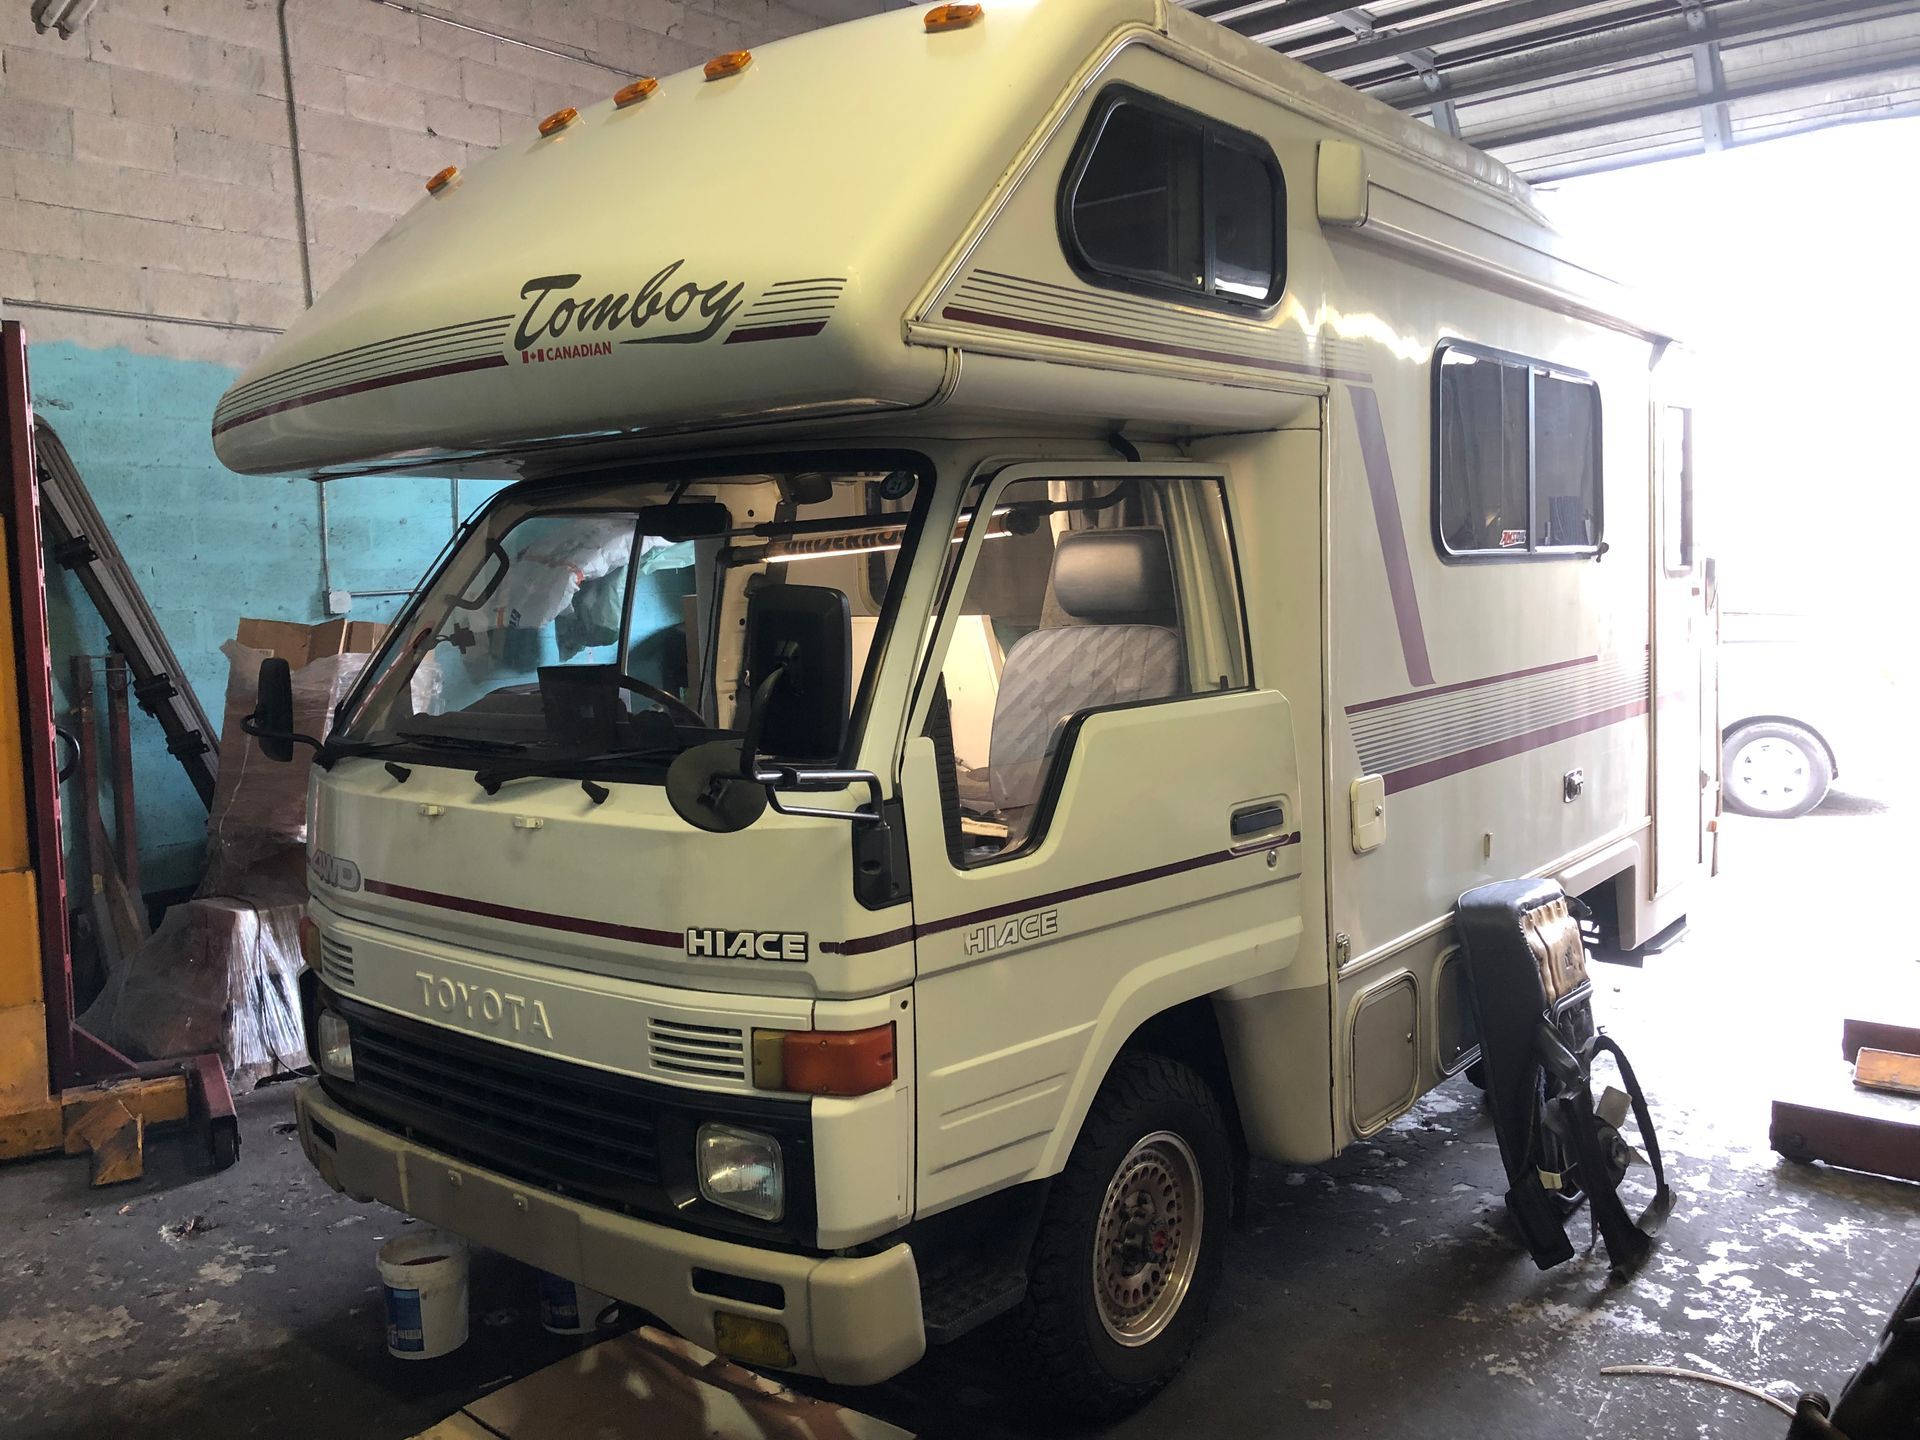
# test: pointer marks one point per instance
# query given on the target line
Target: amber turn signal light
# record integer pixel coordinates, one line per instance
(953, 17)
(559, 120)
(824, 1062)
(632, 94)
(731, 63)
(445, 178)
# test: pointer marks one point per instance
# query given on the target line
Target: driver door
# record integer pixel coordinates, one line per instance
(1102, 806)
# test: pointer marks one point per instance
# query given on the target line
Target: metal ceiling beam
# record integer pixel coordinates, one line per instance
(1268, 18)
(1709, 78)
(1391, 43)
(1461, 77)
(1726, 94)
(1334, 35)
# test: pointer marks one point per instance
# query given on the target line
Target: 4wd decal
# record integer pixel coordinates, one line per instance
(669, 309)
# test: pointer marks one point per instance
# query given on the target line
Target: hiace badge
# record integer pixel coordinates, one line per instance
(747, 944)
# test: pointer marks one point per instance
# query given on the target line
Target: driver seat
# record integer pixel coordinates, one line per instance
(1117, 585)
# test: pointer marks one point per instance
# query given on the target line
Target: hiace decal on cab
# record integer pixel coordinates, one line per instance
(668, 309)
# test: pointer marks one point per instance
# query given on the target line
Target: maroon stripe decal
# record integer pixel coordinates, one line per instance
(1366, 705)
(1514, 745)
(1127, 342)
(542, 919)
(861, 945)
(335, 392)
(776, 332)
(1393, 535)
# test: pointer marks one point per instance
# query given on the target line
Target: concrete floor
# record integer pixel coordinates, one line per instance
(1380, 1295)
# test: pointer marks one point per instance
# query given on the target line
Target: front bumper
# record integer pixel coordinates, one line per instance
(851, 1321)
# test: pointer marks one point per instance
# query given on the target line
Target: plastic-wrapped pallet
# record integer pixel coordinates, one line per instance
(220, 973)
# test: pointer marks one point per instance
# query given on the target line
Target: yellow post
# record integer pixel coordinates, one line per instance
(30, 1121)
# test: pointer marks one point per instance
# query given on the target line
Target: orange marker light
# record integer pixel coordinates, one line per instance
(824, 1062)
(632, 94)
(731, 63)
(953, 17)
(559, 120)
(445, 178)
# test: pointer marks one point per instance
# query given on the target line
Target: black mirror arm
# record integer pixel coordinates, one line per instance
(251, 724)
(756, 723)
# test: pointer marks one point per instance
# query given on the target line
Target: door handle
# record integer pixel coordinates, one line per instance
(1268, 815)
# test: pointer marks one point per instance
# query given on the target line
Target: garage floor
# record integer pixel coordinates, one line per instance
(1377, 1296)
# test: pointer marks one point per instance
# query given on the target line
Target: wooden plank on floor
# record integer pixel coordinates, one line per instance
(1881, 1142)
(1858, 1035)
(1889, 1070)
(648, 1385)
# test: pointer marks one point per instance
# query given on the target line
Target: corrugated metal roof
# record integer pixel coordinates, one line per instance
(1565, 87)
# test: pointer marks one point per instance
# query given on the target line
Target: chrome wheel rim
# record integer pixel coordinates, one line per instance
(1770, 773)
(1147, 1242)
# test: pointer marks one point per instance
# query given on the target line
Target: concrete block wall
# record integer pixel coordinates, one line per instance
(152, 242)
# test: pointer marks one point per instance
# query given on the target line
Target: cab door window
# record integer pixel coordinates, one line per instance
(1085, 594)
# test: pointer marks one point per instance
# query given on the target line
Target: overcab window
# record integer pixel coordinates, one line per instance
(1163, 200)
(1516, 457)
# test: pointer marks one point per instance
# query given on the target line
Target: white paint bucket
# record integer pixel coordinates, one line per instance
(569, 1308)
(425, 1276)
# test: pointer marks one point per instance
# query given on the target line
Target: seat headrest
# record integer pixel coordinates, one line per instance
(1113, 577)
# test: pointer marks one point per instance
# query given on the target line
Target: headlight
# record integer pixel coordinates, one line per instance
(740, 1169)
(336, 1045)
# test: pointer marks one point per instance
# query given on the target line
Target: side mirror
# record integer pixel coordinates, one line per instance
(271, 722)
(805, 634)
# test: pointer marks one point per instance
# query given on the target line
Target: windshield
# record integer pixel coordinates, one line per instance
(608, 620)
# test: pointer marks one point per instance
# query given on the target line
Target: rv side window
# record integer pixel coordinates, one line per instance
(1163, 200)
(1516, 456)
(1676, 490)
(1086, 594)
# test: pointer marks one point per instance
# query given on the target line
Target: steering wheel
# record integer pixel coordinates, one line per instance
(682, 712)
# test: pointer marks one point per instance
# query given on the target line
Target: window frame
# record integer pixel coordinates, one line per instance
(1105, 106)
(1534, 367)
(959, 575)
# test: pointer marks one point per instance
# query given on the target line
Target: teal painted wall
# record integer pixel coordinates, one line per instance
(208, 547)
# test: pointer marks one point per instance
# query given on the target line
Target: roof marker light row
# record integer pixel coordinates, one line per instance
(939, 19)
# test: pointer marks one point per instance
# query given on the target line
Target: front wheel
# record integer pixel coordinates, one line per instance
(1130, 1247)
(1775, 770)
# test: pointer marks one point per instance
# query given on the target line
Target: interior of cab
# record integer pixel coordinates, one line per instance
(1084, 595)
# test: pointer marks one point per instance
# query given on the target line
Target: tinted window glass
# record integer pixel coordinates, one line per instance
(1566, 462)
(1518, 457)
(1168, 199)
(1483, 454)
(1137, 208)
(1243, 205)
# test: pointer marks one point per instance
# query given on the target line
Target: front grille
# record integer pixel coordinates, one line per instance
(615, 1140)
(707, 1051)
(336, 962)
(582, 1127)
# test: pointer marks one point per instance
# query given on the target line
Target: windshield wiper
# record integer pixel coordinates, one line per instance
(492, 777)
(413, 740)
(461, 742)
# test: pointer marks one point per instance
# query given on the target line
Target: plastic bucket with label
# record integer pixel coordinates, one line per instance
(425, 1276)
(568, 1308)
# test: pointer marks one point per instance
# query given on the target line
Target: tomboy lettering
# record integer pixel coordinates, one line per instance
(552, 313)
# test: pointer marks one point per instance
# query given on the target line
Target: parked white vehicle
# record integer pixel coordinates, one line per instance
(1790, 711)
(1053, 545)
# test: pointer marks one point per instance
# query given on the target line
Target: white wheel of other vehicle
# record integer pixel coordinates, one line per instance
(1774, 770)
(1130, 1246)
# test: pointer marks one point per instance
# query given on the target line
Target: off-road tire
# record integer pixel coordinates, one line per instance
(1078, 1368)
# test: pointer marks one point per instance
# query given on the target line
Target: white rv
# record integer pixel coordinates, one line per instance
(1052, 544)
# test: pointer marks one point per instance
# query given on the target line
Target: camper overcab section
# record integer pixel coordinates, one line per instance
(1049, 546)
